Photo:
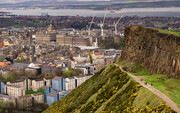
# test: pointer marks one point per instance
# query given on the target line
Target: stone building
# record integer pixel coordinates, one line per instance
(37, 84)
(45, 37)
(88, 67)
(38, 98)
(78, 41)
(48, 82)
(64, 40)
(14, 91)
(73, 41)
(80, 79)
(24, 101)
(7, 101)
(70, 83)
(25, 84)
(30, 100)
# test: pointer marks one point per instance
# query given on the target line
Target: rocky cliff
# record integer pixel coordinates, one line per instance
(157, 52)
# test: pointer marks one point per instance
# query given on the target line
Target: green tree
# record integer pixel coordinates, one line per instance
(69, 73)
(90, 57)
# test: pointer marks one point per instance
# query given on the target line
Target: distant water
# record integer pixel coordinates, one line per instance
(165, 12)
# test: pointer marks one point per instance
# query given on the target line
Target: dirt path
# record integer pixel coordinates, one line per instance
(154, 90)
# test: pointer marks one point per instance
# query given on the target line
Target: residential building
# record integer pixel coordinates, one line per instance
(24, 83)
(80, 79)
(24, 101)
(19, 66)
(58, 83)
(88, 67)
(7, 101)
(52, 97)
(14, 91)
(70, 83)
(47, 90)
(47, 82)
(38, 98)
(1, 87)
(37, 84)
(4, 72)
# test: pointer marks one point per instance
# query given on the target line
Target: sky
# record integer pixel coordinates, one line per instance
(18, 1)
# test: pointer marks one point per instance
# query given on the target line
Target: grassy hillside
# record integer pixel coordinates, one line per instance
(109, 90)
(176, 33)
(166, 85)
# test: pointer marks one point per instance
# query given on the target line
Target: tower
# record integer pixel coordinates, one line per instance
(50, 28)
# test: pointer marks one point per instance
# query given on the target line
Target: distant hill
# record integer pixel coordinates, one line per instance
(110, 90)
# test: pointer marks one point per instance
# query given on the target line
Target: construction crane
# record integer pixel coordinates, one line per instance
(101, 24)
(115, 25)
(89, 28)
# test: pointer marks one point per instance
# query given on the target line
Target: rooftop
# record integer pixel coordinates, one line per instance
(52, 94)
(45, 87)
(25, 96)
(4, 96)
(57, 78)
(37, 94)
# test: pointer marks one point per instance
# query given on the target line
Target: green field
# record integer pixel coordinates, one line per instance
(168, 86)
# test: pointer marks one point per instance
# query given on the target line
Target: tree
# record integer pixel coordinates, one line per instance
(90, 57)
(58, 72)
(78, 71)
(69, 73)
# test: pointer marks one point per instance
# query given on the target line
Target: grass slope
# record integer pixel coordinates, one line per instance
(109, 90)
(176, 33)
(149, 99)
(168, 86)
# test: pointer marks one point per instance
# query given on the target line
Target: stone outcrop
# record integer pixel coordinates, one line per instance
(157, 52)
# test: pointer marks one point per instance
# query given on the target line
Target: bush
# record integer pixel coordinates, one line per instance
(20, 60)
(69, 73)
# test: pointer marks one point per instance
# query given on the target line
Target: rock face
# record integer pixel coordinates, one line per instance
(157, 52)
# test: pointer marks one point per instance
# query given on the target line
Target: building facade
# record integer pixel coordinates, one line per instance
(58, 83)
(24, 101)
(1, 87)
(14, 91)
(8, 101)
(73, 41)
(47, 90)
(45, 37)
(38, 98)
(52, 97)
(70, 83)
(37, 84)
